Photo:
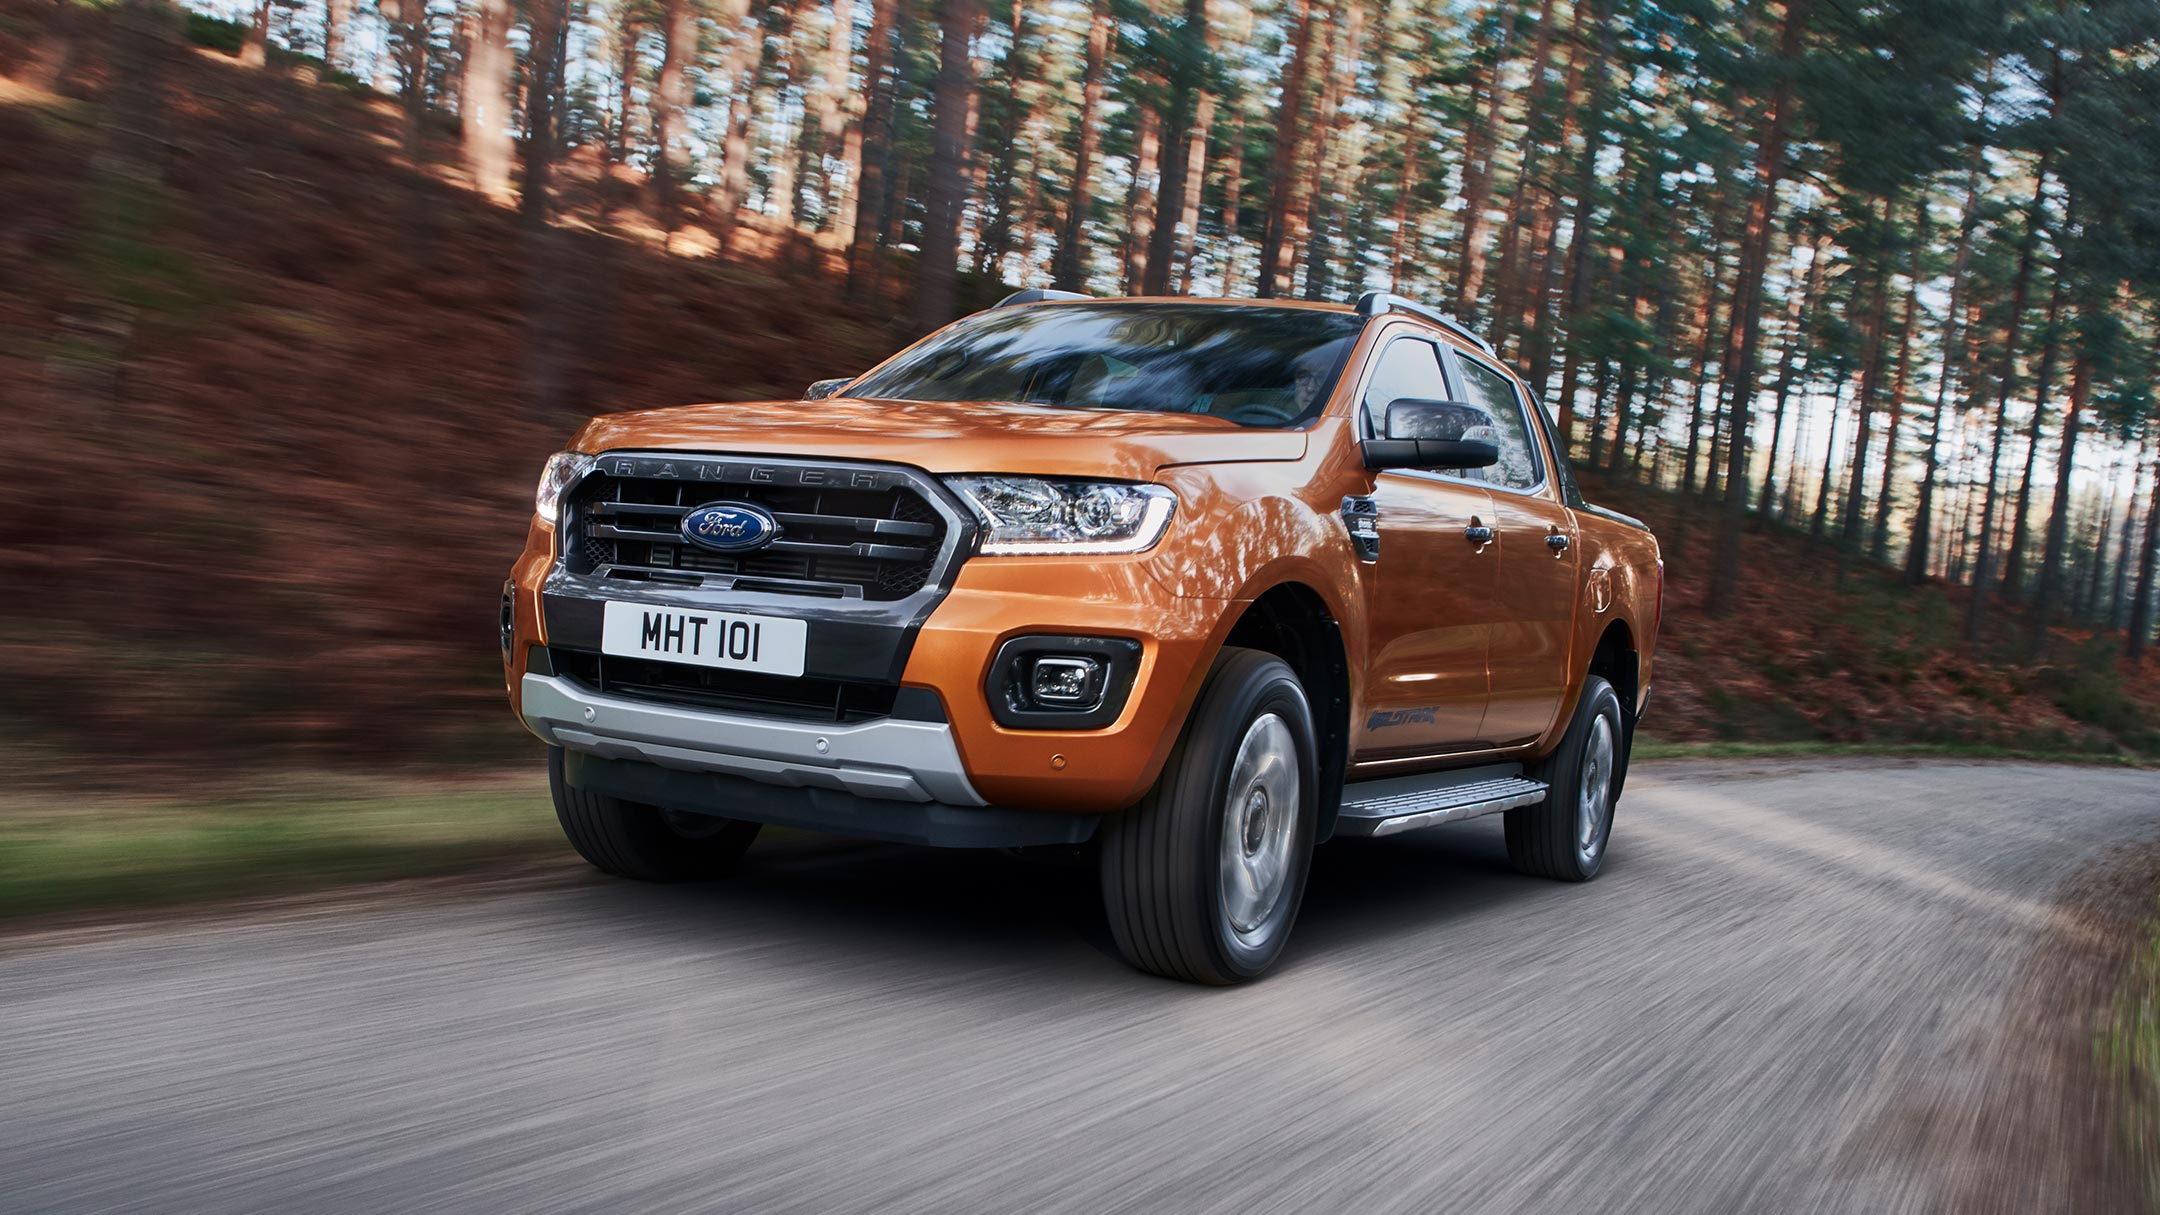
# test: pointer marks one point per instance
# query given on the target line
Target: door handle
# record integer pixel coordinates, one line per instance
(1478, 533)
(1557, 542)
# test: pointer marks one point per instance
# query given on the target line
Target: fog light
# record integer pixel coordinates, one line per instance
(1064, 681)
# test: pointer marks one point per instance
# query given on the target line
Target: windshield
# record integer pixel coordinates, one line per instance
(1256, 366)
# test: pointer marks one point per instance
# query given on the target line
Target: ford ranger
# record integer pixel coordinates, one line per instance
(1197, 584)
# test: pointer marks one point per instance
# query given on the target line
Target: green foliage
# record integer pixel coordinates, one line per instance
(2128, 1048)
(129, 261)
(225, 36)
(72, 855)
(2091, 691)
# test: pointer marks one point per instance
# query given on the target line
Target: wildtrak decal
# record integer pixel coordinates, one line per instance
(1384, 718)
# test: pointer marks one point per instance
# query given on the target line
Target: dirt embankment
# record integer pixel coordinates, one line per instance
(276, 400)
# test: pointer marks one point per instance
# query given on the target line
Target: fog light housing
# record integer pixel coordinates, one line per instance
(1061, 683)
(1059, 680)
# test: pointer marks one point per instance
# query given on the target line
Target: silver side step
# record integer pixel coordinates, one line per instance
(1405, 803)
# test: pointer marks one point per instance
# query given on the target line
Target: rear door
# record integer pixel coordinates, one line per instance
(1533, 626)
(1431, 585)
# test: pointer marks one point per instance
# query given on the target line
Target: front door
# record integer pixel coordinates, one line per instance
(1432, 586)
(1534, 605)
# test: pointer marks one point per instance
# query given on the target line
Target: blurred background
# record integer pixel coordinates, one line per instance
(1858, 304)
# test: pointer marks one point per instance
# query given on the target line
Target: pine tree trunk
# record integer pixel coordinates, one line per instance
(866, 173)
(769, 112)
(1879, 544)
(626, 134)
(1405, 188)
(1478, 161)
(1284, 166)
(1233, 200)
(337, 22)
(2013, 582)
(2118, 616)
(1599, 382)
(1916, 554)
(2029, 243)
(937, 269)
(1195, 185)
(1067, 270)
(1313, 216)
(1002, 194)
(1713, 292)
(1798, 315)
(407, 20)
(2142, 606)
(1746, 315)
(1872, 359)
(834, 126)
(1623, 408)
(745, 55)
(671, 96)
(255, 44)
(1539, 312)
(1184, 162)
(1535, 119)
(2051, 560)
(550, 31)
(1579, 244)
(1140, 200)
(1196, 151)
(1819, 522)
(485, 104)
(2088, 607)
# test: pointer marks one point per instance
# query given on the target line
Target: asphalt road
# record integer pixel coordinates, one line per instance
(1782, 963)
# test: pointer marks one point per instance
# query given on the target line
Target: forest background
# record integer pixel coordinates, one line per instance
(1858, 303)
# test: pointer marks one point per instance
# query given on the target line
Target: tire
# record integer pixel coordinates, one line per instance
(1564, 836)
(1203, 886)
(634, 840)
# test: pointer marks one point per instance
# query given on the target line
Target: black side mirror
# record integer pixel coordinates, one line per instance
(825, 388)
(1425, 433)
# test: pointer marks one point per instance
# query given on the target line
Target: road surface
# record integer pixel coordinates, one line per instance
(1788, 974)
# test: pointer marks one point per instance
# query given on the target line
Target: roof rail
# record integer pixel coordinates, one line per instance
(1378, 303)
(1039, 295)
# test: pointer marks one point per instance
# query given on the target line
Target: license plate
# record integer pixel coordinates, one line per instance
(770, 644)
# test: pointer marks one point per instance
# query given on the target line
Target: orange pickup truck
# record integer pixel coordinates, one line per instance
(1198, 584)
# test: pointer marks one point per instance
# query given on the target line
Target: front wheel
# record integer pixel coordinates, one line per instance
(1203, 878)
(1564, 836)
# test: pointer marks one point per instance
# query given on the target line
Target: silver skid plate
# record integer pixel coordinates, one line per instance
(1405, 803)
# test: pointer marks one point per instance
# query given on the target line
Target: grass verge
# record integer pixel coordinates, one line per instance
(71, 854)
(2129, 1051)
(62, 851)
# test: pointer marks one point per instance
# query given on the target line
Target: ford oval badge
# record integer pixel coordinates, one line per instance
(730, 527)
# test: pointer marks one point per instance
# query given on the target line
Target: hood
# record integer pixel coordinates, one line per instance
(949, 437)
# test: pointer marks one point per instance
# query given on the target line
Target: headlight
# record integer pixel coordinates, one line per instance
(1034, 515)
(563, 470)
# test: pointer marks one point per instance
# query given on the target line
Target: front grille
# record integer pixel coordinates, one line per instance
(674, 683)
(845, 532)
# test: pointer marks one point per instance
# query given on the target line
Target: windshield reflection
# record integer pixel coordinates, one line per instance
(1253, 365)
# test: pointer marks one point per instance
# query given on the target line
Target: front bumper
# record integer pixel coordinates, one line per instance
(886, 759)
(886, 779)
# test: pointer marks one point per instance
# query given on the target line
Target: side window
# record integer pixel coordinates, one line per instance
(1495, 393)
(1407, 367)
